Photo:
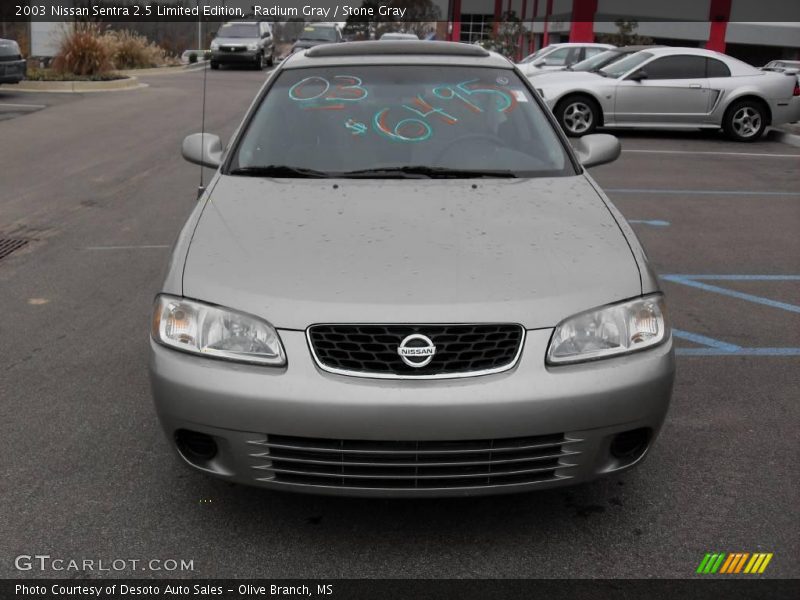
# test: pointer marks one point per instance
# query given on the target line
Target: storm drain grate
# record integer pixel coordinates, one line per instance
(9, 245)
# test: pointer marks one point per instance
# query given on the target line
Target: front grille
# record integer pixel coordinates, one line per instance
(232, 48)
(372, 350)
(412, 465)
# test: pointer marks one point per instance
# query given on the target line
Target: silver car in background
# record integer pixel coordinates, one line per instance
(667, 88)
(557, 56)
(403, 282)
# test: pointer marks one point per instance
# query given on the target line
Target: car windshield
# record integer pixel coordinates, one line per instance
(534, 56)
(598, 61)
(401, 121)
(238, 30)
(318, 34)
(619, 68)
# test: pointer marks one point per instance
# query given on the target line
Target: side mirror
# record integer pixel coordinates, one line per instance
(540, 63)
(638, 75)
(204, 149)
(597, 149)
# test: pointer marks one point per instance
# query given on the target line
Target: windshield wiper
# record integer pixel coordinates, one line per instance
(279, 171)
(423, 171)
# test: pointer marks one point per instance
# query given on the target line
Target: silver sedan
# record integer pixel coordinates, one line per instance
(403, 282)
(668, 88)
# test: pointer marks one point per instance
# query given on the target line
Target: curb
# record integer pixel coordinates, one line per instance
(68, 87)
(165, 70)
(784, 137)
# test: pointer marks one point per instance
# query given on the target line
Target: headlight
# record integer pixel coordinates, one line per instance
(215, 331)
(215, 45)
(610, 331)
(252, 47)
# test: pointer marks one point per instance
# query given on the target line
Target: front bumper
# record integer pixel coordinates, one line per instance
(240, 406)
(232, 58)
(13, 71)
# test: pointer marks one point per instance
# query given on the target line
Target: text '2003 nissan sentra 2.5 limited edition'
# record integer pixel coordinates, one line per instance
(401, 281)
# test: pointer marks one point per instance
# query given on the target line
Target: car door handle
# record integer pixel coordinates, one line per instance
(695, 85)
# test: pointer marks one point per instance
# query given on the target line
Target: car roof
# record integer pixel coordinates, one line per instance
(636, 48)
(736, 66)
(397, 52)
(589, 44)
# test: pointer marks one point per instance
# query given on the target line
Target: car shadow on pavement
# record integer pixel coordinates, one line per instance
(496, 515)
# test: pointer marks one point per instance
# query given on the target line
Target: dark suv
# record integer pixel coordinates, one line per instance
(314, 34)
(243, 43)
(13, 67)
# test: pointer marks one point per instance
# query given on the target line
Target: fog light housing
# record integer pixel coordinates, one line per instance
(629, 446)
(196, 447)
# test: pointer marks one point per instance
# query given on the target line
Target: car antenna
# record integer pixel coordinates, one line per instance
(202, 188)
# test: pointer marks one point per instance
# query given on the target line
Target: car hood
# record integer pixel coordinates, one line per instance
(304, 251)
(569, 77)
(303, 44)
(236, 41)
(565, 75)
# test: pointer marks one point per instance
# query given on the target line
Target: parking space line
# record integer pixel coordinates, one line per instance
(142, 247)
(693, 281)
(697, 192)
(703, 340)
(34, 106)
(714, 347)
(713, 153)
(652, 222)
(739, 352)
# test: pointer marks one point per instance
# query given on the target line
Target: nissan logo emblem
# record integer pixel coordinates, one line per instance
(416, 350)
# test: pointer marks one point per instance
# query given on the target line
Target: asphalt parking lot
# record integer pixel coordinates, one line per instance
(95, 186)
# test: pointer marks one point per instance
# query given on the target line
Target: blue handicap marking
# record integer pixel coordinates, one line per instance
(714, 347)
(652, 222)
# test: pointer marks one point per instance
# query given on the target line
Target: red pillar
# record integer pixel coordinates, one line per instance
(718, 14)
(498, 9)
(455, 36)
(582, 29)
(547, 13)
(532, 46)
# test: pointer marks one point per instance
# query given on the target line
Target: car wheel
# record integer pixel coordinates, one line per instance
(271, 59)
(259, 62)
(578, 115)
(214, 65)
(745, 121)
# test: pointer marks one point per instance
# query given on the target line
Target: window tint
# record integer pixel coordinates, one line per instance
(677, 67)
(620, 67)
(573, 56)
(717, 68)
(319, 34)
(590, 52)
(558, 57)
(242, 30)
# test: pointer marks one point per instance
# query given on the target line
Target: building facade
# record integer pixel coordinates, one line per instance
(730, 26)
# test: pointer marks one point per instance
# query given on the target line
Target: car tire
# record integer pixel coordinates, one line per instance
(271, 59)
(578, 115)
(214, 65)
(259, 62)
(745, 121)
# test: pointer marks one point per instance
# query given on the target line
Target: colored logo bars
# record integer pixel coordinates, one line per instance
(735, 562)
